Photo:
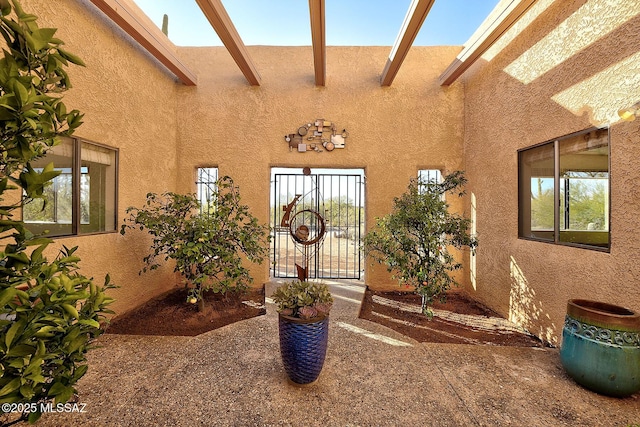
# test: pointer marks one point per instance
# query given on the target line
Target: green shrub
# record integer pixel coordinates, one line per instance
(47, 328)
(413, 241)
(207, 248)
(303, 299)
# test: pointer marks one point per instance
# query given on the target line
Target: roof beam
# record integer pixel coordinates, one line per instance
(221, 23)
(150, 37)
(418, 11)
(316, 13)
(478, 45)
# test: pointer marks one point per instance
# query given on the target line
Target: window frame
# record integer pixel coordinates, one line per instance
(438, 178)
(76, 188)
(557, 192)
(200, 183)
(428, 171)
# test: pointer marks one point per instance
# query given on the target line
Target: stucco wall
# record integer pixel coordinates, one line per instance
(393, 131)
(129, 104)
(567, 67)
(165, 130)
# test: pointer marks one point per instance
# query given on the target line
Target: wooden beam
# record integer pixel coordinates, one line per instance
(221, 23)
(149, 36)
(479, 44)
(418, 11)
(316, 13)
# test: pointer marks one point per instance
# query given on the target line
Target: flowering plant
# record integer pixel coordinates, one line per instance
(304, 300)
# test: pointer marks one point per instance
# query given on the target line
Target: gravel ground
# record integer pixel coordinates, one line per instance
(233, 376)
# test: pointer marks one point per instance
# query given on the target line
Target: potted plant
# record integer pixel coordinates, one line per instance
(413, 241)
(303, 325)
(601, 347)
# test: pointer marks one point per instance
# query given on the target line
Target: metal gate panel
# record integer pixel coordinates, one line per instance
(339, 199)
(340, 257)
(285, 255)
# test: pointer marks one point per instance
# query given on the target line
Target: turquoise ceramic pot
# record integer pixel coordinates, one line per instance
(601, 347)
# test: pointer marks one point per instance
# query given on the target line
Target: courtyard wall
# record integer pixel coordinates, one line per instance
(129, 102)
(393, 131)
(565, 67)
(165, 130)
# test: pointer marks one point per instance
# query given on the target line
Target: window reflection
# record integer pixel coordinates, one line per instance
(580, 184)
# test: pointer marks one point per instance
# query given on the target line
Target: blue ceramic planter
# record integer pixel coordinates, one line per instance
(601, 347)
(303, 346)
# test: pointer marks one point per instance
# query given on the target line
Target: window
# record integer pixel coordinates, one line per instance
(428, 176)
(564, 190)
(82, 199)
(206, 187)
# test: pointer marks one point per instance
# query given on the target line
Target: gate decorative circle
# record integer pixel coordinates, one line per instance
(307, 227)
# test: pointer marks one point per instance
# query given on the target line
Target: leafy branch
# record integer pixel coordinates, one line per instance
(49, 313)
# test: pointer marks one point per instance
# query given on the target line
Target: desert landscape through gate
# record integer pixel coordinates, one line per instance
(338, 196)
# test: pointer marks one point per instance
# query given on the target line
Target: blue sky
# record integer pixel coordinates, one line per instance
(348, 22)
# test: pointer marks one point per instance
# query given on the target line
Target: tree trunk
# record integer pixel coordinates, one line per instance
(201, 303)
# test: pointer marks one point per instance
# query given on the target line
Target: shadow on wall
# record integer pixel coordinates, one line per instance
(473, 266)
(525, 310)
(591, 45)
(570, 66)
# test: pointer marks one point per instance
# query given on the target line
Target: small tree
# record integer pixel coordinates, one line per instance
(413, 241)
(49, 312)
(207, 247)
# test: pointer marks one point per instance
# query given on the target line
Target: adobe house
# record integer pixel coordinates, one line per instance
(529, 109)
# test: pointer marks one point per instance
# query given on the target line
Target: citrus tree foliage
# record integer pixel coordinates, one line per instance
(49, 312)
(207, 248)
(413, 241)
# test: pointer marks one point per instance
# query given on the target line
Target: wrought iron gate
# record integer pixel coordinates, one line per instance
(339, 198)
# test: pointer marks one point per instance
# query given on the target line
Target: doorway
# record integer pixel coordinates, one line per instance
(307, 198)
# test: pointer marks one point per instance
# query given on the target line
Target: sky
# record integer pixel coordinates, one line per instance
(348, 22)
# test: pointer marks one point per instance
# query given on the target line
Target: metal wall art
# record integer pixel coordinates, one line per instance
(318, 136)
(307, 229)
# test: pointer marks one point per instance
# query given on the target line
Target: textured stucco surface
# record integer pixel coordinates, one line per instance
(129, 104)
(393, 131)
(511, 104)
(166, 130)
